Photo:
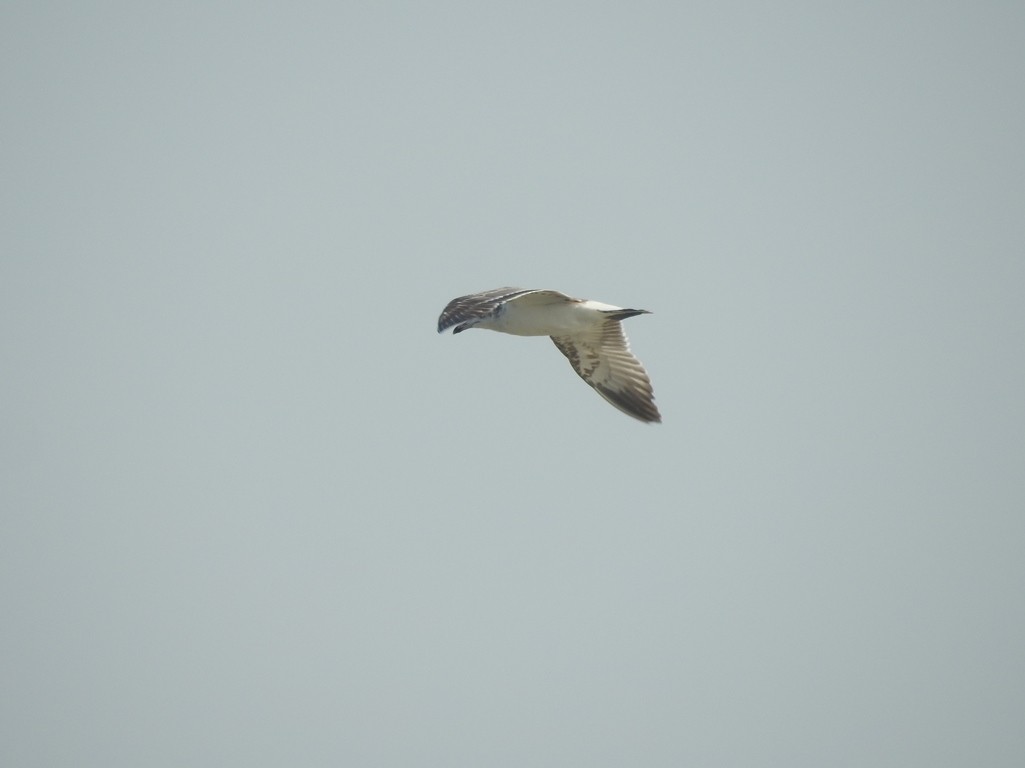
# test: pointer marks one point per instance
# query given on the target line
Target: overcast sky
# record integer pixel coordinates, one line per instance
(254, 511)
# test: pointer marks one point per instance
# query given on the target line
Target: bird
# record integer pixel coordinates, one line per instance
(589, 333)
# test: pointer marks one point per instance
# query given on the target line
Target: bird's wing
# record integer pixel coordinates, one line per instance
(477, 306)
(603, 359)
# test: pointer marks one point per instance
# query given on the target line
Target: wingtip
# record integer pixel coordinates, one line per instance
(647, 417)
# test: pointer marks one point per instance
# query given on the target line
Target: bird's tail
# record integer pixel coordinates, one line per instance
(623, 314)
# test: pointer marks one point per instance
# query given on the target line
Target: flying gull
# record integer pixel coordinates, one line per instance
(587, 332)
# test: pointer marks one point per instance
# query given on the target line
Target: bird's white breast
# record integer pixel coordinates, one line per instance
(557, 318)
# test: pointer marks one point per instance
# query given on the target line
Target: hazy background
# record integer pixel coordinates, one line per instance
(256, 512)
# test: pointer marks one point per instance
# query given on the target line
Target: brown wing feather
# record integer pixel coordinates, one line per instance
(603, 359)
(476, 306)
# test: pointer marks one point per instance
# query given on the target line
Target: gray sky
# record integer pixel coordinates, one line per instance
(256, 512)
